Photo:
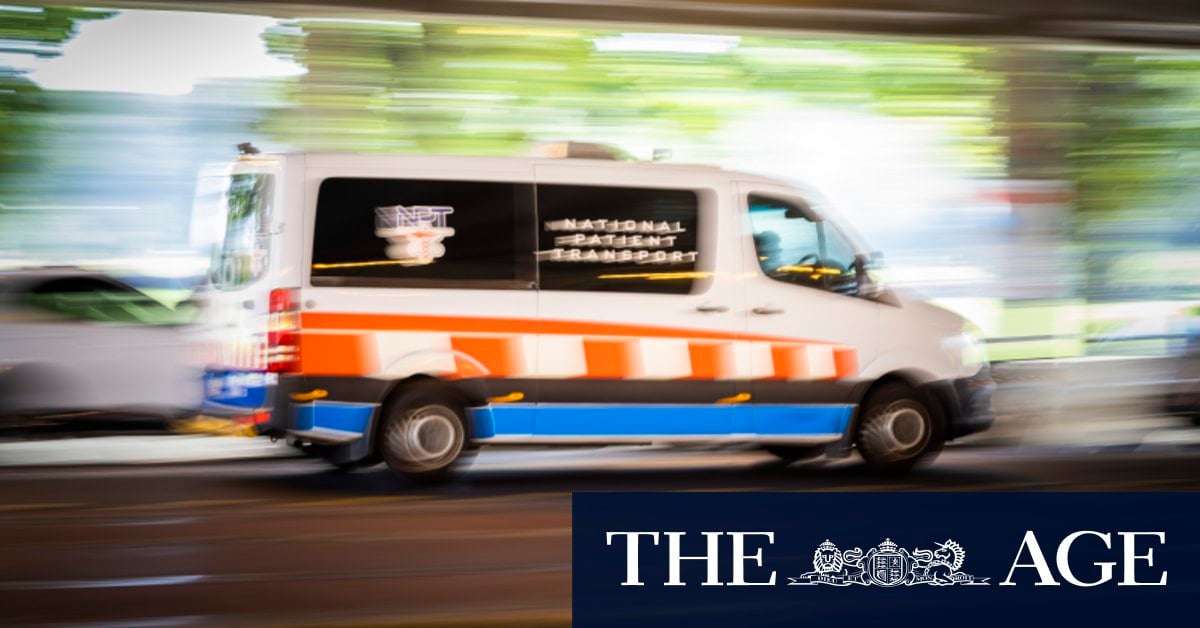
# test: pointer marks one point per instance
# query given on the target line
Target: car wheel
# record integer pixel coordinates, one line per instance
(897, 430)
(795, 453)
(423, 434)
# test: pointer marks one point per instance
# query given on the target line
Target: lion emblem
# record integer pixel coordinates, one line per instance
(827, 559)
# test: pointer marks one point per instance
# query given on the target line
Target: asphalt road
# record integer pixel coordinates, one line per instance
(291, 542)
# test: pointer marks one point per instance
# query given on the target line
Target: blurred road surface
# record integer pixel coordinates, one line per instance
(291, 542)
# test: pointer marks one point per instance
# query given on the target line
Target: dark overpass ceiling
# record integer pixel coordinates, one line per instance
(1138, 22)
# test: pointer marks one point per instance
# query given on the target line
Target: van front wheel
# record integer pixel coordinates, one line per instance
(423, 435)
(897, 431)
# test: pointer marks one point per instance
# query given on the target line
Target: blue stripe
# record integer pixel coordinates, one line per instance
(345, 417)
(514, 419)
(801, 420)
(483, 420)
(666, 420)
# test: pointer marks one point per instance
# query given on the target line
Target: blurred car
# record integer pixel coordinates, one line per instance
(1183, 394)
(77, 341)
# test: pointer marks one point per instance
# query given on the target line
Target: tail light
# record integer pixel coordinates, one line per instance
(283, 331)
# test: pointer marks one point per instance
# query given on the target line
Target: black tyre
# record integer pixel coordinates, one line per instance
(423, 434)
(795, 453)
(897, 430)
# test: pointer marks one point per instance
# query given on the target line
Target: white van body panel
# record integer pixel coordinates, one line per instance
(742, 357)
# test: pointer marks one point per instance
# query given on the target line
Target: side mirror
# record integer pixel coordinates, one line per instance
(867, 288)
(801, 210)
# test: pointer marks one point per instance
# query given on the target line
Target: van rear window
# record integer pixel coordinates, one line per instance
(241, 258)
(423, 233)
(617, 239)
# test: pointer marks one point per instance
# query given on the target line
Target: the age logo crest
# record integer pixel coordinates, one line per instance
(888, 565)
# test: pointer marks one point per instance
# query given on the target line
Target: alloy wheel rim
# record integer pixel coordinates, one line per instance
(427, 438)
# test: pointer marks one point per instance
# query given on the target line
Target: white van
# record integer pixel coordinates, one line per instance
(411, 309)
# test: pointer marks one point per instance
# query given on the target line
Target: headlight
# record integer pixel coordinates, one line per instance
(966, 349)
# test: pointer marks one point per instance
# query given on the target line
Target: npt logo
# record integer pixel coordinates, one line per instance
(415, 233)
(890, 565)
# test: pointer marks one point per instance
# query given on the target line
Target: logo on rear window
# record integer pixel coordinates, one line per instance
(414, 233)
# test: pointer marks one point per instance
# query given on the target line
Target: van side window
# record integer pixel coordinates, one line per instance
(794, 249)
(423, 233)
(617, 239)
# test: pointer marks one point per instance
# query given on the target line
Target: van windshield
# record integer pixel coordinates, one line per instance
(242, 252)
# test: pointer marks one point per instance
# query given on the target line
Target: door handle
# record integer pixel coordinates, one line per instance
(767, 310)
(708, 307)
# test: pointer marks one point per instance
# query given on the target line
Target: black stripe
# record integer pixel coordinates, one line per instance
(683, 391)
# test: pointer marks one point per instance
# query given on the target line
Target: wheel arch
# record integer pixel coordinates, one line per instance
(467, 392)
(923, 384)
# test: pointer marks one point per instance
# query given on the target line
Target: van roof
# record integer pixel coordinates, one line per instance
(375, 160)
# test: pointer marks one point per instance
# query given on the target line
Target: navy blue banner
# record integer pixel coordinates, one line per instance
(904, 559)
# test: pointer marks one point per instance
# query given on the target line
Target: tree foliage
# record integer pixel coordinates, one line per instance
(493, 89)
(1137, 151)
(37, 32)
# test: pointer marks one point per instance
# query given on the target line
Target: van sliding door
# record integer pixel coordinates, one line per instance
(639, 320)
(424, 274)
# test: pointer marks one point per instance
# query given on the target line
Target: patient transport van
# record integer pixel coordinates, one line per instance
(411, 309)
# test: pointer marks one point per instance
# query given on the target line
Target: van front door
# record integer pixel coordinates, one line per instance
(638, 301)
(808, 327)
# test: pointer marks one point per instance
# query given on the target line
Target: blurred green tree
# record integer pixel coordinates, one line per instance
(1137, 153)
(493, 89)
(37, 32)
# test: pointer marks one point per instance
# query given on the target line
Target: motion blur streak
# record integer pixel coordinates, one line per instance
(1031, 187)
(1047, 189)
(290, 542)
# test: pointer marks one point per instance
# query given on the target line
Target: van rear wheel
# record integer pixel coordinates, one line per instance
(423, 435)
(897, 430)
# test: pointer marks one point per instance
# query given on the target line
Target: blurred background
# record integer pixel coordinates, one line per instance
(1034, 168)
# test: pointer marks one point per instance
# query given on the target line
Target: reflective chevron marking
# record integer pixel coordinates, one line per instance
(463, 347)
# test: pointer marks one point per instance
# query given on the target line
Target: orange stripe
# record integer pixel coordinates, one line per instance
(412, 322)
(611, 359)
(711, 360)
(783, 358)
(845, 361)
(501, 356)
(338, 354)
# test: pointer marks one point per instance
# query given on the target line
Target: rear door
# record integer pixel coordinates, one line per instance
(238, 210)
(639, 312)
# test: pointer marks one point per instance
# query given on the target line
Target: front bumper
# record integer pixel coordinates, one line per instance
(970, 405)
